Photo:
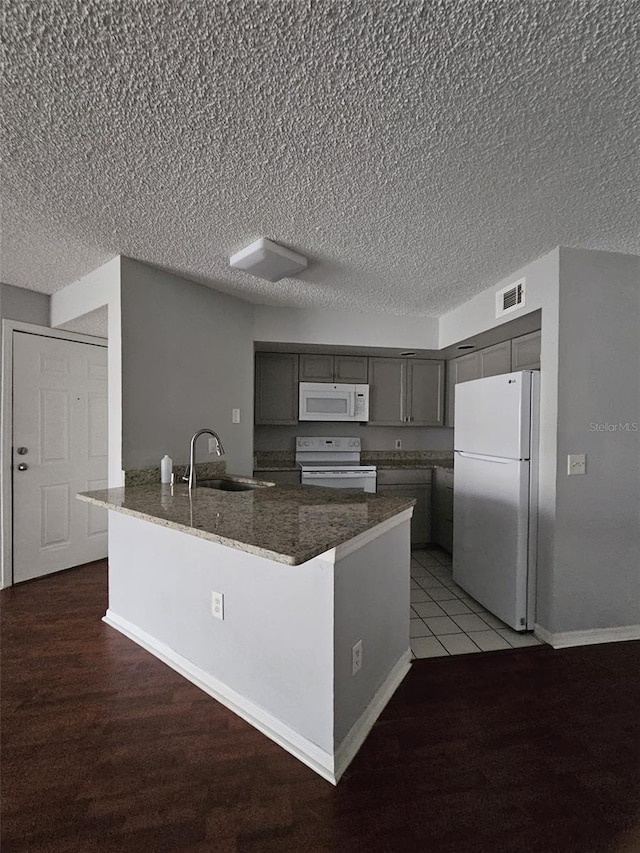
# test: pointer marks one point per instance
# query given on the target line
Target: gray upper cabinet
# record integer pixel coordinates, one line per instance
(276, 383)
(406, 392)
(460, 369)
(490, 361)
(351, 368)
(333, 368)
(387, 385)
(496, 359)
(316, 368)
(425, 392)
(525, 352)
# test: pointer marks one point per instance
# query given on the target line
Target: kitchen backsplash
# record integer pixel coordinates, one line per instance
(273, 460)
(373, 438)
(151, 474)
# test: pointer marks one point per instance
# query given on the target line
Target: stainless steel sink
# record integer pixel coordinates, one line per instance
(228, 485)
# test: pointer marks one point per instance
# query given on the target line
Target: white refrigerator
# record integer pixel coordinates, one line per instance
(495, 489)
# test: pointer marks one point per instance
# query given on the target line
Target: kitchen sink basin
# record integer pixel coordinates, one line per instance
(228, 485)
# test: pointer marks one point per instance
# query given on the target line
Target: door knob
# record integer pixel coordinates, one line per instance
(22, 466)
(21, 451)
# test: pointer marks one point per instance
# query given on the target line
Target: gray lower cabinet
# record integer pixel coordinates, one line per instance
(406, 392)
(525, 352)
(318, 367)
(276, 386)
(280, 478)
(412, 483)
(442, 508)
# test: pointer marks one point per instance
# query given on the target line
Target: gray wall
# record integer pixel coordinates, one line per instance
(28, 306)
(187, 360)
(597, 567)
(274, 647)
(370, 601)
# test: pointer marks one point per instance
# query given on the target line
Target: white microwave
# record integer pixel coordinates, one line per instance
(322, 401)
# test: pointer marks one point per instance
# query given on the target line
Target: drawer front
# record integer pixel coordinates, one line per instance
(283, 478)
(404, 476)
(421, 518)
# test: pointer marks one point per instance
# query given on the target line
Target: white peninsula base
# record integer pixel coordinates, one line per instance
(282, 656)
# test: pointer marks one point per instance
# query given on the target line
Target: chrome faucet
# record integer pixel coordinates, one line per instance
(192, 454)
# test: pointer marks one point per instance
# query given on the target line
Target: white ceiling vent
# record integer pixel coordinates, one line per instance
(510, 298)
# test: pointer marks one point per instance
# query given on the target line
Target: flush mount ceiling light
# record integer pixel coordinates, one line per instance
(268, 260)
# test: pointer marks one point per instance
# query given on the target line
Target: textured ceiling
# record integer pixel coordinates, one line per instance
(416, 152)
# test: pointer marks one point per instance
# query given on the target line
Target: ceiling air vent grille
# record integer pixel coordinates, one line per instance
(510, 298)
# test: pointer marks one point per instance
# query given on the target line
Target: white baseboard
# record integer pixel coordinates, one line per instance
(346, 752)
(303, 749)
(565, 639)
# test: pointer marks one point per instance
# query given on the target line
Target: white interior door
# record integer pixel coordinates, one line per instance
(60, 437)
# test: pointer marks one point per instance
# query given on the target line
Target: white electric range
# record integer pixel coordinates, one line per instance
(334, 463)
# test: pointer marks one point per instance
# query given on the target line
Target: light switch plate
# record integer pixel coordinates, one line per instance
(235, 416)
(576, 464)
(356, 658)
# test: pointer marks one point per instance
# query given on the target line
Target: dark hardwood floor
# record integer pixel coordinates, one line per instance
(106, 749)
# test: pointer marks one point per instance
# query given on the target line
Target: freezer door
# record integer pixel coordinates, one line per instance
(491, 535)
(492, 415)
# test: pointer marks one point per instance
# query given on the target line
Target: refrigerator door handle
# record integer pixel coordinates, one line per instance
(501, 460)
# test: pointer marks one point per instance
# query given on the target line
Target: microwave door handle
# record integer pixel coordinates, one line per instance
(352, 404)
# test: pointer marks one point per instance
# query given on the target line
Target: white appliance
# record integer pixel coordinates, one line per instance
(495, 489)
(323, 401)
(334, 463)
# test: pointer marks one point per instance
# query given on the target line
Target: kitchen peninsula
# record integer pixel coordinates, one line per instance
(314, 634)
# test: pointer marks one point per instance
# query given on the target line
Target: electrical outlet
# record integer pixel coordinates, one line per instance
(398, 444)
(235, 416)
(217, 605)
(356, 657)
(576, 464)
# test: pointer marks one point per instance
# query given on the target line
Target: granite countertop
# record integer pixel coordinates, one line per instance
(288, 524)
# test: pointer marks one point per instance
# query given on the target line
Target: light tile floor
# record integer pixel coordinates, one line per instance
(445, 620)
